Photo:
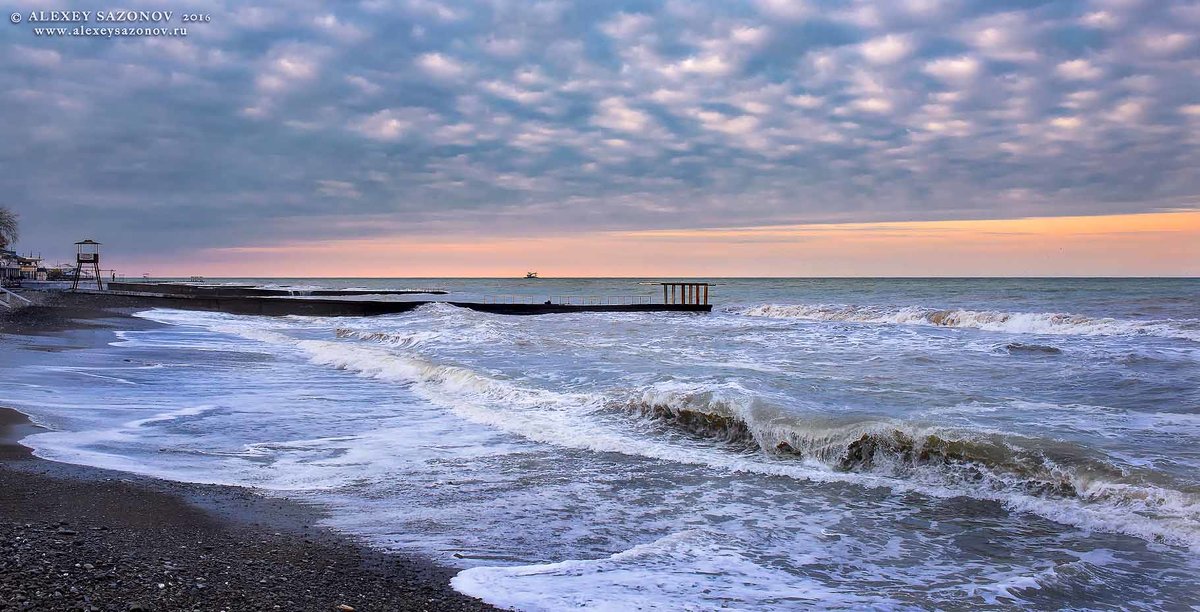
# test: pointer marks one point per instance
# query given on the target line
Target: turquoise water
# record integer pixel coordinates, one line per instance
(846, 443)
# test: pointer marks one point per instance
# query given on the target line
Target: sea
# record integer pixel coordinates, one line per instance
(810, 443)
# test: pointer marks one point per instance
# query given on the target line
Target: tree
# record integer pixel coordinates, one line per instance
(8, 227)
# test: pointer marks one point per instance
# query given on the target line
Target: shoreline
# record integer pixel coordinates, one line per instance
(83, 538)
(14, 426)
(75, 537)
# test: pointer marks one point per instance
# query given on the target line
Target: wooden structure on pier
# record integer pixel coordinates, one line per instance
(695, 294)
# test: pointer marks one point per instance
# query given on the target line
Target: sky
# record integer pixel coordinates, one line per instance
(614, 138)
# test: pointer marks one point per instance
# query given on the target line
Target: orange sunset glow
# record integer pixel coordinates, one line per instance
(1166, 244)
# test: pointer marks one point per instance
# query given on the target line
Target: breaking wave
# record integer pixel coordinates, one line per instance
(730, 427)
(1056, 480)
(1019, 471)
(398, 340)
(874, 445)
(987, 320)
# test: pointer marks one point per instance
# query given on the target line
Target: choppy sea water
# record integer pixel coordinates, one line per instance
(833, 443)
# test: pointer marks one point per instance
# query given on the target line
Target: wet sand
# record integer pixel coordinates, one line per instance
(80, 538)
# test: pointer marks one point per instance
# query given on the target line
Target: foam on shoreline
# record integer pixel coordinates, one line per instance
(1046, 323)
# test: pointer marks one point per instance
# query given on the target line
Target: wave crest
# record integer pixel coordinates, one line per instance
(984, 464)
(1054, 480)
(1050, 323)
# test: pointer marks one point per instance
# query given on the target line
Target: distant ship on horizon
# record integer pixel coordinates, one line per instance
(531, 275)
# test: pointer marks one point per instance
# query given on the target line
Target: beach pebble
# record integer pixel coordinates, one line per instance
(165, 565)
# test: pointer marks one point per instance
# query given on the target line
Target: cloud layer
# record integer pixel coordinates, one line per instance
(314, 121)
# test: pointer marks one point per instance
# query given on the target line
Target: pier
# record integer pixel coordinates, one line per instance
(247, 299)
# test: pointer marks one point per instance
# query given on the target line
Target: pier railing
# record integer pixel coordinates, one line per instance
(8, 299)
(680, 293)
(570, 300)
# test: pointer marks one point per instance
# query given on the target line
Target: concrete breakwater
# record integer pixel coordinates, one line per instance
(255, 291)
(272, 305)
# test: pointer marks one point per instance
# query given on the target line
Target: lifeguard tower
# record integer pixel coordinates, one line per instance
(87, 253)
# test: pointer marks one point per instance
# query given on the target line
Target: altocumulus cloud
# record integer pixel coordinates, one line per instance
(310, 120)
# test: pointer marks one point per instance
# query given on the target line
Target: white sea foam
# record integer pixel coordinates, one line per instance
(77, 371)
(99, 447)
(396, 464)
(690, 570)
(572, 420)
(987, 320)
(583, 420)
